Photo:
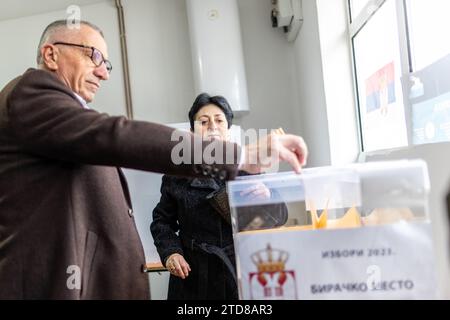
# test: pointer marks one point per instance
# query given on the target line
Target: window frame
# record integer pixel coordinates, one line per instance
(355, 25)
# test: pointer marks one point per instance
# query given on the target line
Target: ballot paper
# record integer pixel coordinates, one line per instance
(351, 219)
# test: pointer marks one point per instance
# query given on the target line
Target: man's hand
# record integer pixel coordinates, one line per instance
(177, 266)
(272, 149)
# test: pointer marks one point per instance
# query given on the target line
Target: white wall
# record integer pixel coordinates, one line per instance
(20, 38)
(161, 70)
(327, 108)
(13, 9)
(269, 61)
(312, 110)
(338, 80)
(160, 59)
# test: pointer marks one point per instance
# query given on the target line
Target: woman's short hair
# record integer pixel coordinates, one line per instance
(204, 99)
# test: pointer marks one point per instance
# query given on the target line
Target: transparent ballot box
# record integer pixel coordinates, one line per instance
(360, 231)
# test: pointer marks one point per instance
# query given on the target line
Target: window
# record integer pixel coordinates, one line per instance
(357, 6)
(429, 26)
(429, 92)
(401, 66)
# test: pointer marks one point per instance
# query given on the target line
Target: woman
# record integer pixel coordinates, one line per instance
(201, 257)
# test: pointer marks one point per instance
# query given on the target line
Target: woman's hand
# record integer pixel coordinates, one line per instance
(177, 266)
(258, 191)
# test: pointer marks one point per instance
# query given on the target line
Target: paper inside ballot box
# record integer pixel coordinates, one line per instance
(351, 219)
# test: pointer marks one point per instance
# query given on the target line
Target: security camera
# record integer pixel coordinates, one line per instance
(287, 14)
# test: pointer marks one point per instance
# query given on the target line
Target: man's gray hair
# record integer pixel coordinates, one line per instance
(58, 26)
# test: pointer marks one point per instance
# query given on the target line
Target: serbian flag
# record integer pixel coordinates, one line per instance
(380, 88)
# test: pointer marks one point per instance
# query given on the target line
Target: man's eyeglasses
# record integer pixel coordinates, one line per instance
(96, 55)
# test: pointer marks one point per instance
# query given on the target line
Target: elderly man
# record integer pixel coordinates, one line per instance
(66, 223)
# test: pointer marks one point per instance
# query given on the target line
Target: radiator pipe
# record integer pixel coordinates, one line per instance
(125, 66)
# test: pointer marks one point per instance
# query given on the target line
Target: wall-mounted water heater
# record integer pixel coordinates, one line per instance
(287, 14)
(217, 54)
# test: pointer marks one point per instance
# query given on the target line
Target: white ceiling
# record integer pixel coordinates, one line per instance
(11, 9)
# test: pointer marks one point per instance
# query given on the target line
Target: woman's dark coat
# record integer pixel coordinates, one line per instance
(192, 207)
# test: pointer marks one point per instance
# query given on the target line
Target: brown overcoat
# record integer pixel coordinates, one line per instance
(67, 229)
